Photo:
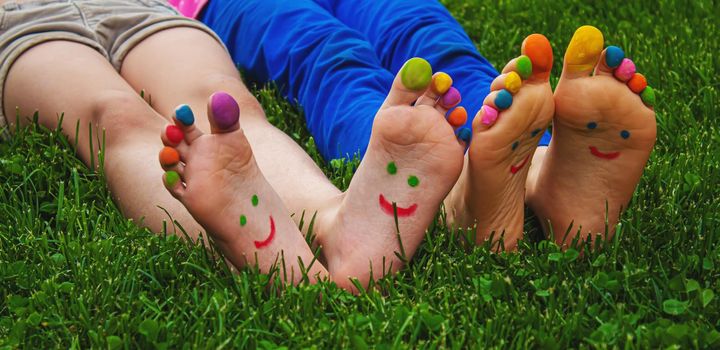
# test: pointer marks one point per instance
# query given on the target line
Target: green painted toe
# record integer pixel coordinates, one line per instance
(416, 74)
(171, 178)
(524, 66)
(648, 96)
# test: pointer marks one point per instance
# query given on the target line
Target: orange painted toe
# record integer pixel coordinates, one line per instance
(537, 48)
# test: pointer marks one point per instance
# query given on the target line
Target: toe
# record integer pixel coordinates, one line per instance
(174, 184)
(583, 52)
(648, 96)
(441, 94)
(464, 136)
(637, 83)
(173, 136)
(537, 48)
(499, 100)
(184, 119)
(169, 157)
(609, 60)
(441, 83)
(457, 117)
(485, 118)
(522, 65)
(509, 81)
(451, 98)
(625, 70)
(223, 113)
(410, 83)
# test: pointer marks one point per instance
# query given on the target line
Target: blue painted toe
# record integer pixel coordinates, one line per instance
(613, 56)
(465, 134)
(185, 115)
(504, 99)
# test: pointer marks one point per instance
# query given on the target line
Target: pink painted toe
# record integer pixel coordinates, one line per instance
(489, 115)
(625, 70)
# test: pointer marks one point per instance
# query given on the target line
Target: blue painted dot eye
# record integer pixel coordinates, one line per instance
(625, 134)
(535, 132)
(515, 145)
(591, 125)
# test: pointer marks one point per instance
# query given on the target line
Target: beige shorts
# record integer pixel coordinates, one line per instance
(112, 27)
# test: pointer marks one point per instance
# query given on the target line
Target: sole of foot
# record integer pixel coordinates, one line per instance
(413, 159)
(489, 196)
(603, 132)
(216, 178)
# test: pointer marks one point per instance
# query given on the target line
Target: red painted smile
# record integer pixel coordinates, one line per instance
(597, 153)
(515, 168)
(268, 240)
(387, 207)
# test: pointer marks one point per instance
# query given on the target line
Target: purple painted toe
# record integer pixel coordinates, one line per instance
(225, 110)
(451, 97)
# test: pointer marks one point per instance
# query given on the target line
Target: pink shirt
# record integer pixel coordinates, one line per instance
(189, 8)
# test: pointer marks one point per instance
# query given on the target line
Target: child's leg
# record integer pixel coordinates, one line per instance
(186, 66)
(74, 79)
(81, 83)
(356, 229)
(330, 69)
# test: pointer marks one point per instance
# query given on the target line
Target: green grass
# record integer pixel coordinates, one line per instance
(75, 273)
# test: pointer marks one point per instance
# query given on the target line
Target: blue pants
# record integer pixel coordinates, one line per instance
(337, 58)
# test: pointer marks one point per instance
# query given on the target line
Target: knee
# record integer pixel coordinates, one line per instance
(115, 109)
(119, 108)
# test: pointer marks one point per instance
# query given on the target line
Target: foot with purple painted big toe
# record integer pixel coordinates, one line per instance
(489, 196)
(413, 159)
(603, 132)
(216, 178)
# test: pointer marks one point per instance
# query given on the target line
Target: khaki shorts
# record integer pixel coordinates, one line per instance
(112, 27)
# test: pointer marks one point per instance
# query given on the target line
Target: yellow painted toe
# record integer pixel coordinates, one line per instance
(584, 49)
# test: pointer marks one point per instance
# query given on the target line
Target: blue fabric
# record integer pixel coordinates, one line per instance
(336, 58)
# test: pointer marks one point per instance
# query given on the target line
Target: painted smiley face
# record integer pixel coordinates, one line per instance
(516, 167)
(271, 236)
(387, 206)
(605, 155)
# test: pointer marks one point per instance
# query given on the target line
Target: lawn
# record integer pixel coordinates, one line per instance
(75, 273)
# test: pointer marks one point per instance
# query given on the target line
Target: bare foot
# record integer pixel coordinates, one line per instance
(490, 192)
(603, 133)
(412, 161)
(216, 178)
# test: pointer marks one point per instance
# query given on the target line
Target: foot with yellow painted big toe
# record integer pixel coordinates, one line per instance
(216, 178)
(413, 159)
(603, 132)
(489, 196)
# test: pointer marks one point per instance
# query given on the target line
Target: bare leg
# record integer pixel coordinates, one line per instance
(186, 66)
(82, 84)
(79, 82)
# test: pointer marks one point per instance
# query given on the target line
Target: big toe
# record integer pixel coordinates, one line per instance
(537, 48)
(583, 52)
(410, 83)
(223, 113)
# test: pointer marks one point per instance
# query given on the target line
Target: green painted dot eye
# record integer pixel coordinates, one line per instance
(392, 168)
(255, 200)
(413, 181)
(243, 220)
